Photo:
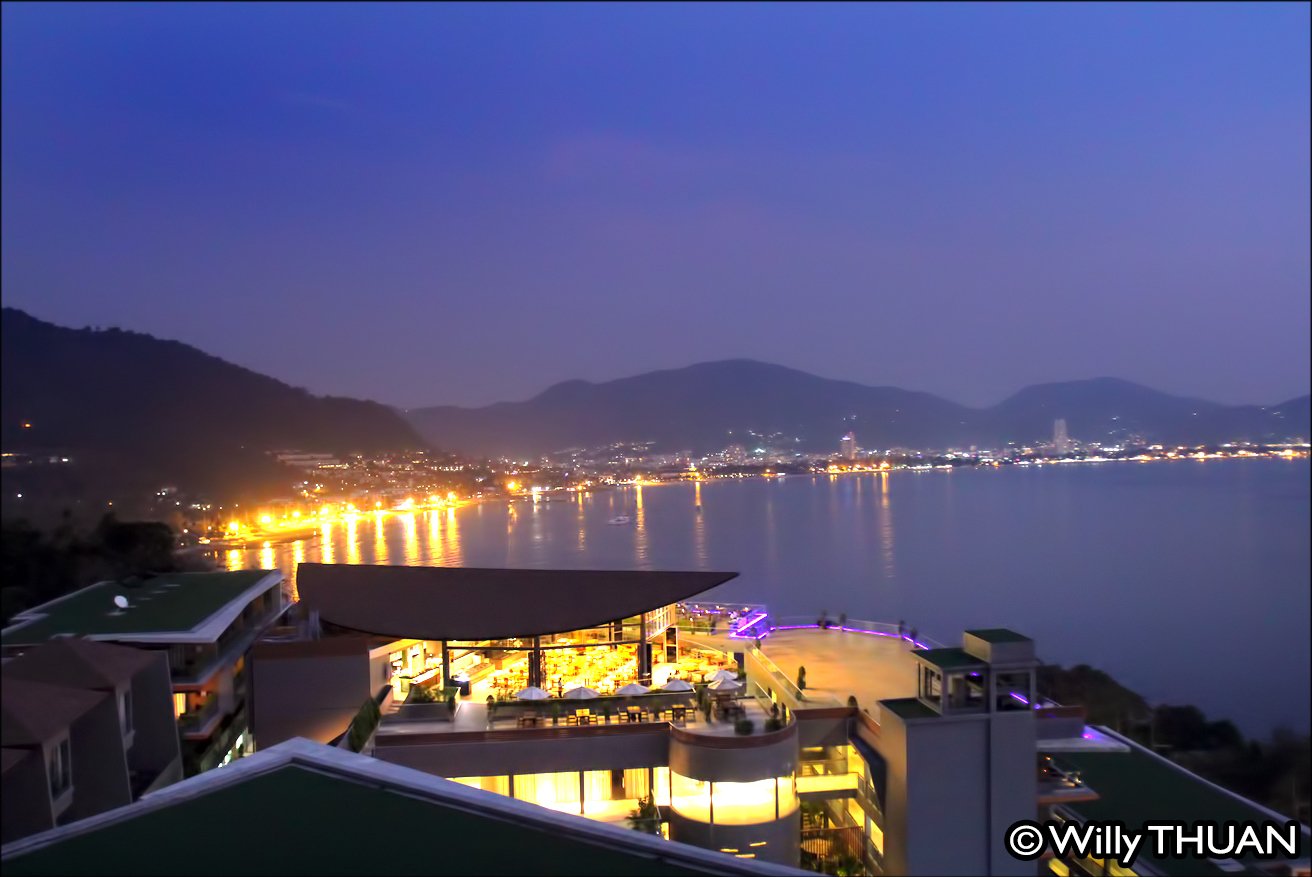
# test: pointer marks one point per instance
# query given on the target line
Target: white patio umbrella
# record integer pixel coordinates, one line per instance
(676, 685)
(532, 693)
(722, 674)
(634, 688)
(726, 685)
(580, 693)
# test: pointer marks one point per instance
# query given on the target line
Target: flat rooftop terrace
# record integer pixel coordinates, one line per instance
(843, 663)
(167, 603)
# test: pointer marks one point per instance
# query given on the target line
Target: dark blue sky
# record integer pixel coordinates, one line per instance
(426, 204)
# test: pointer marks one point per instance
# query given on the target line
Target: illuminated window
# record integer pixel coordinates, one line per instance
(557, 791)
(787, 795)
(635, 783)
(876, 835)
(749, 803)
(691, 798)
(734, 803)
(179, 704)
(661, 785)
(856, 813)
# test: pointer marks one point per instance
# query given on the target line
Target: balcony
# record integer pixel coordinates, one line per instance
(196, 669)
(1059, 784)
(200, 723)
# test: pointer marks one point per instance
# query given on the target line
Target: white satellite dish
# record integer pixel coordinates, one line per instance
(120, 601)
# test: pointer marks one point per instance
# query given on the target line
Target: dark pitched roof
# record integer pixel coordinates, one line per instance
(11, 758)
(80, 663)
(427, 602)
(32, 712)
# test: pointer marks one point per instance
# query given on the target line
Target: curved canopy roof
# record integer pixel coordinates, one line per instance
(463, 603)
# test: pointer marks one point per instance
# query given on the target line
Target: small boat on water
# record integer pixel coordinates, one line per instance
(620, 519)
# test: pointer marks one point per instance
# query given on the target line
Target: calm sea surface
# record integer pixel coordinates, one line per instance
(1187, 581)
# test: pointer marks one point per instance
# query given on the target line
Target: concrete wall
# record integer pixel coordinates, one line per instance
(954, 786)
(100, 767)
(780, 837)
(25, 799)
(738, 765)
(549, 755)
(1016, 652)
(947, 824)
(300, 690)
(155, 748)
(1014, 790)
(821, 731)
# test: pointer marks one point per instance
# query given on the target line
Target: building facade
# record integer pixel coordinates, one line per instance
(204, 623)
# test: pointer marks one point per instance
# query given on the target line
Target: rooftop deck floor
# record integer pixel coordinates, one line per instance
(842, 663)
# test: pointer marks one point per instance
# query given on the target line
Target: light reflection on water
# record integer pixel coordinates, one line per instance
(1124, 567)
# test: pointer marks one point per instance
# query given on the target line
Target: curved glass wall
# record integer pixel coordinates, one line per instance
(723, 803)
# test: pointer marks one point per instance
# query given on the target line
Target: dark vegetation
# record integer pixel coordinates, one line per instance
(37, 566)
(1276, 772)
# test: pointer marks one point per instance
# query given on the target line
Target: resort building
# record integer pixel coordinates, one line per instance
(204, 623)
(86, 727)
(1134, 786)
(305, 808)
(593, 692)
(555, 711)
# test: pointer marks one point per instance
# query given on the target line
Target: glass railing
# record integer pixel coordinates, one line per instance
(854, 625)
(777, 676)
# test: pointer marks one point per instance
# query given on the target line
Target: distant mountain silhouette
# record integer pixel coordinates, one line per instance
(708, 406)
(135, 409)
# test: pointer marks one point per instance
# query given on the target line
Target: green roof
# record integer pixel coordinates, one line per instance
(908, 708)
(948, 659)
(1138, 786)
(998, 635)
(159, 604)
(298, 819)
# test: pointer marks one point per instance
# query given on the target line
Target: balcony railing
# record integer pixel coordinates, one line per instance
(1057, 782)
(197, 721)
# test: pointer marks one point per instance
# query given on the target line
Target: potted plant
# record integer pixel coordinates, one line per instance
(744, 726)
(774, 723)
(801, 678)
(647, 817)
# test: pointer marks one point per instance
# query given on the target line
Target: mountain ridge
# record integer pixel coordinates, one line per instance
(702, 406)
(156, 410)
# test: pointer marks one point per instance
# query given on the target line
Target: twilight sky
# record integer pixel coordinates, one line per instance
(465, 204)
